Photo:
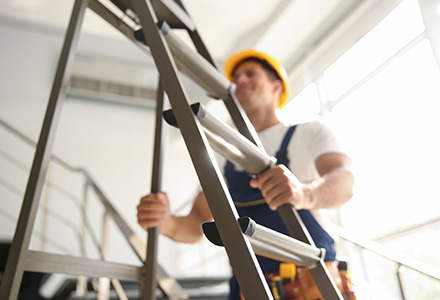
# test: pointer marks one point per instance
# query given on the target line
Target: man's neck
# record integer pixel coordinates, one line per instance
(263, 121)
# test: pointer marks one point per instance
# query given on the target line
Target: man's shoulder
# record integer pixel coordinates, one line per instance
(316, 123)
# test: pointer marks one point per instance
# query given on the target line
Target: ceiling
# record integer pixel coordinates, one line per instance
(299, 33)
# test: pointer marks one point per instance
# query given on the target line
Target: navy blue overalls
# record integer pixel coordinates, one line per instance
(249, 203)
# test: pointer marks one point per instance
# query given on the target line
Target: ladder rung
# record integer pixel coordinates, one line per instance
(166, 10)
(228, 142)
(192, 63)
(270, 243)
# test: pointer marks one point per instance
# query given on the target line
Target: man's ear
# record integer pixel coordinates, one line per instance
(278, 86)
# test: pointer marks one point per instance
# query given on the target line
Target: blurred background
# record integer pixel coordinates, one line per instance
(368, 68)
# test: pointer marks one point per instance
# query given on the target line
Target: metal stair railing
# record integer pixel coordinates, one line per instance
(80, 266)
(400, 260)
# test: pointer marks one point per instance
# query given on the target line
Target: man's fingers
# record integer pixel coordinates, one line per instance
(254, 183)
(152, 210)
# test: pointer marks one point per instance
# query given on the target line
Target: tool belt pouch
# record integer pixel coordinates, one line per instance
(305, 288)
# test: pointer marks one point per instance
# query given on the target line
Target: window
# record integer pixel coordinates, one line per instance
(395, 31)
(305, 106)
(383, 96)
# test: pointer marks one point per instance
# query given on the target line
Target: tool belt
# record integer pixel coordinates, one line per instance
(296, 283)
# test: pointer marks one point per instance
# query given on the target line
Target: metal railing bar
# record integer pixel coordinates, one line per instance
(64, 192)
(119, 289)
(382, 251)
(14, 161)
(400, 280)
(429, 224)
(139, 247)
(127, 232)
(31, 142)
(381, 67)
(12, 218)
(19, 193)
(11, 187)
(49, 183)
(134, 241)
(86, 220)
(62, 219)
(209, 258)
(17, 133)
(53, 243)
(93, 236)
(8, 216)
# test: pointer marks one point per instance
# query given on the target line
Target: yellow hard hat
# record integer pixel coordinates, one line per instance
(234, 60)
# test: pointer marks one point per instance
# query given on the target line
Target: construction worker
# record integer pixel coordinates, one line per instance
(312, 171)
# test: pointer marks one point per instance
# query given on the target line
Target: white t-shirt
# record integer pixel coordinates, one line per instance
(309, 141)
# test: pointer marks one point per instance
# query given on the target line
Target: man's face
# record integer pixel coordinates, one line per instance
(254, 88)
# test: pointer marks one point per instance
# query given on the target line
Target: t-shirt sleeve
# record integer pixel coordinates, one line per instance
(322, 140)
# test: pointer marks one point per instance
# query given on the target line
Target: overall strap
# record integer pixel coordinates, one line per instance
(286, 141)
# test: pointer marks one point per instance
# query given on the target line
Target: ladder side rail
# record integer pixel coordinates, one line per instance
(242, 258)
(148, 287)
(325, 282)
(16, 261)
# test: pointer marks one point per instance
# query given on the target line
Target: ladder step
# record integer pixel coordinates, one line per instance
(192, 63)
(166, 10)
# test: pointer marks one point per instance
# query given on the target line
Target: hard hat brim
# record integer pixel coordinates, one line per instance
(236, 59)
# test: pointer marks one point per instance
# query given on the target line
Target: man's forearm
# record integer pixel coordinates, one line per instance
(183, 230)
(329, 191)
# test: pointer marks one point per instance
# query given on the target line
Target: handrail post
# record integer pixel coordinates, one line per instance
(81, 284)
(104, 283)
(44, 213)
(400, 279)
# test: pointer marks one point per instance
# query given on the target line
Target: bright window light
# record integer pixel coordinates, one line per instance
(390, 127)
(391, 34)
(304, 107)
